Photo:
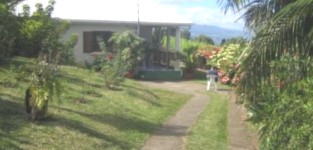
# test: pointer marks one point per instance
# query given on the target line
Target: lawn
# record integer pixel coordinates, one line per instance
(210, 130)
(89, 117)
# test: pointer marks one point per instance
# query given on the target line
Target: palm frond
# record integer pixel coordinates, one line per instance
(288, 32)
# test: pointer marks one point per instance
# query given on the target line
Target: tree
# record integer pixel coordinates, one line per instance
(277, 68)
(235, 40)
(204, 39)
(185, 33)
(41, 34)
(125, 56)
(9, 27)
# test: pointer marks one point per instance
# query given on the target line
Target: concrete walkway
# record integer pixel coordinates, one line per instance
(239, 136)
(171, 135)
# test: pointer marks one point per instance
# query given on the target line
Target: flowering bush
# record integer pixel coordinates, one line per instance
(226, 59)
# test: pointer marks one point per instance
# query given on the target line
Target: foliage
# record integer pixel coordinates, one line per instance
(45, 84)
(226, 57)
(126, 56)
(186, 34)
(278, 62)
(41, 34)
(286, 122)
(158, 36)
(131, 47)
(207, 51)
(111, 65)
(188, 55)
(8, 30)
(235, 40)
(204, 39)
(41, 37)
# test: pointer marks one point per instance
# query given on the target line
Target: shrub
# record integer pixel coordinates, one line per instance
(288, 118)
(45, 85)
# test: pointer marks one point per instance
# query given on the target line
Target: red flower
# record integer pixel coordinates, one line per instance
(225, 79)
(110, 57)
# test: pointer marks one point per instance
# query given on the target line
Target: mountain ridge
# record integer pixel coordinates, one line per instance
(217, 33)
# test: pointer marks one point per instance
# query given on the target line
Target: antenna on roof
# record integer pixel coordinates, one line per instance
(138, 23)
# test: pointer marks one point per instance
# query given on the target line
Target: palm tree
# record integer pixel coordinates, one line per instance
(281, 27)
(280, 51)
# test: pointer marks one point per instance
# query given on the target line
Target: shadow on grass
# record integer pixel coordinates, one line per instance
(119, 121)
(143, 94)
(79, 126)
(79, 81)
(12, 118)
(7, 141)
(10, 105)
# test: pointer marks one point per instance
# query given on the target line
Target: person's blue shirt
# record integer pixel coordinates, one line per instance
(212, 72)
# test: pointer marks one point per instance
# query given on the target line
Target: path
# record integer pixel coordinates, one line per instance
(171, 135)
(239, 136)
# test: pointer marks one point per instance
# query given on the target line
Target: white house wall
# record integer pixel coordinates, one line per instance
(79, 28)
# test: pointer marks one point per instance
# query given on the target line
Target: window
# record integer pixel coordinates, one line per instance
(90, 42)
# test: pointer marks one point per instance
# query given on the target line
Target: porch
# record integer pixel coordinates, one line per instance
(161, 61)
(160, 65)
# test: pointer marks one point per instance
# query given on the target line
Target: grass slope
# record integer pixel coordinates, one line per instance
(90, 116)
(210, 130)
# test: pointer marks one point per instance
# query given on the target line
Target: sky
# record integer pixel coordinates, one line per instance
(204, 12)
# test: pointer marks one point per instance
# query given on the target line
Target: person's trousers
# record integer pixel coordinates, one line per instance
(209, 85)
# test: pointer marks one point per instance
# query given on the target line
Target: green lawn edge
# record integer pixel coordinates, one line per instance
(210, 129)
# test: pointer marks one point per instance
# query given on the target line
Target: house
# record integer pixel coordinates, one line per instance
(91, 18)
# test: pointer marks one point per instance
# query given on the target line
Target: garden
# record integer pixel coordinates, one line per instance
(48, 101)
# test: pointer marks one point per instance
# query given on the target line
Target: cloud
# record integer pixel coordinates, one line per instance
(203, 12)
(212, 16)
(198, 11)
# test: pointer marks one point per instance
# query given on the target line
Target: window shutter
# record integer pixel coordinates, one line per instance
(88, 42)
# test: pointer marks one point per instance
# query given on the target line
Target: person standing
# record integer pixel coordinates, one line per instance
(212, 76)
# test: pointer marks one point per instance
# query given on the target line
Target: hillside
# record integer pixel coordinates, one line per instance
(216, 33)
(89, 117)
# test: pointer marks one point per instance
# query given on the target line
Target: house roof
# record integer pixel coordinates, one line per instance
(115, 11)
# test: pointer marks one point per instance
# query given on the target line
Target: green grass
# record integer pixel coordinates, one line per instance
(210, 130)
(90, 116)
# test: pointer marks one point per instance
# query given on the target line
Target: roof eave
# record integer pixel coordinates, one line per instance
(130, 22)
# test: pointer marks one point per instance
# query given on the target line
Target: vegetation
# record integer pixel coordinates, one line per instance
(276, 72)
(102, 119)
(210, 130)
(8, 31)
(204, 39)
(131, 47)
(188, 54)
(124, 57)
(45, 85)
